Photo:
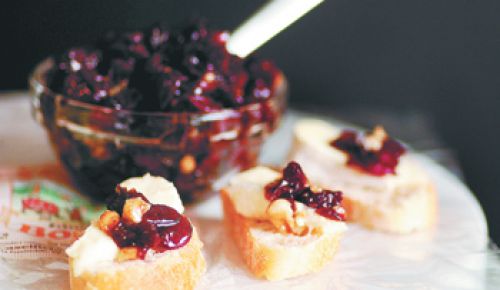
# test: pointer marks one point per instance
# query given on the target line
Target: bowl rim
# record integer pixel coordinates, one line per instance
(37, 83)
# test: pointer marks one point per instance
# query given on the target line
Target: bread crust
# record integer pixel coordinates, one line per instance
(179, 271)
(276, 261)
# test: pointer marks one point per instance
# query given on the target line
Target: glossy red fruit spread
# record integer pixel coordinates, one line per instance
(161, 228)
(294, 186)
(157, 69)
(142, 85)
(375, 162)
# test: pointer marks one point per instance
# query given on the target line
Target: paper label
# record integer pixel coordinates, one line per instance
(40, 217)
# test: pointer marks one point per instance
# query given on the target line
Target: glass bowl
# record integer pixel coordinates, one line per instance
(101, 146)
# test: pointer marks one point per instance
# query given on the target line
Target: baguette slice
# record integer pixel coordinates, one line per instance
(400, 203)
(92, 258)
(401, 215)
(180, 269)
(274, 255)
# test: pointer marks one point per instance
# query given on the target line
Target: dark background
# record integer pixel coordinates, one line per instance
(438, 57)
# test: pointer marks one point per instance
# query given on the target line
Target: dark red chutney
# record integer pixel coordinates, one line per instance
(162, 228)
(294, 186)
(159, 71)
(185, 70)
(378, 163)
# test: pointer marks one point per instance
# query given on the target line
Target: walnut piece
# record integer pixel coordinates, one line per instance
(108, 220)
(285, 220)
(134, 208)
(375, 139)
(127, 253)
(187, 164)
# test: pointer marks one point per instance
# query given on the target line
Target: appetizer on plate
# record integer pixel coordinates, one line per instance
(141, 242)
(384, 187)
(283, 226)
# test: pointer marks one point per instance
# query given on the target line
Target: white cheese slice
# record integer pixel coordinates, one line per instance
(92, 250)
(156, 189)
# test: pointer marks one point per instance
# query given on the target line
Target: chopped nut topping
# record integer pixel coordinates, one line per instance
(280, 214)
(134, 208)
(187, 164)
(115, 90)
(127, 253)
(108, 220)
(339, 209)
(375, 139)
(300, 221)
(285, 219)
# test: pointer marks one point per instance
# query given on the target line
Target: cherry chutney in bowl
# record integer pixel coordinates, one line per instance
(174, 104)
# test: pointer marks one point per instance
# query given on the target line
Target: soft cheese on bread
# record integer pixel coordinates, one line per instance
(157, 190)
(400, 202)
(84, 250)
(246, 191)
(97, 261)
(280, 237)
(243, 186)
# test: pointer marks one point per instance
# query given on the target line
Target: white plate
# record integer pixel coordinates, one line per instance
(450, 257)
